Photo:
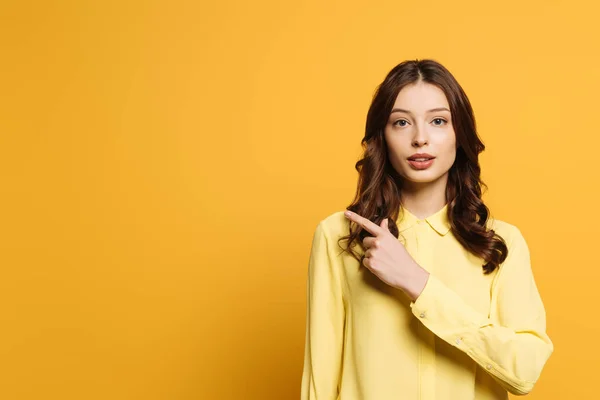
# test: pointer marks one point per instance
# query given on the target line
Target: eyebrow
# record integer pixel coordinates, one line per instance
(408, 112)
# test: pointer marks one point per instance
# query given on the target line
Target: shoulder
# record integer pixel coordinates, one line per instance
(509, 232)
(334, 225)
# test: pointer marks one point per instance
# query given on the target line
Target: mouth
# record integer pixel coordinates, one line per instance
(420, 158)
(420, 163)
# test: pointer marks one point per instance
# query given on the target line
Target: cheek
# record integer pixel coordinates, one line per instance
(449, 145)
(450, 155)
(395, 160)
(394, 150)
(447, 153)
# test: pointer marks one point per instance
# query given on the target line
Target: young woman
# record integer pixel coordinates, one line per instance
(416, 292)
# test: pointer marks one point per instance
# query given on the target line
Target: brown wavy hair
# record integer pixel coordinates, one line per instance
(379, 185)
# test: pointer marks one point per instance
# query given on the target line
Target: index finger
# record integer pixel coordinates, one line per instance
(364, 222)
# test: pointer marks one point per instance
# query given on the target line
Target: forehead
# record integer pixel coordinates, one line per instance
(421, 96)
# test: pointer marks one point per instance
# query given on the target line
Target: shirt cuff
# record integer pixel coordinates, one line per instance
(438, 306)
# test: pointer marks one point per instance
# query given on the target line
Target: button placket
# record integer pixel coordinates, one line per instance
(427, 353)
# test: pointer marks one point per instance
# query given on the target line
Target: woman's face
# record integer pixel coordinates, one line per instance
(420, 122)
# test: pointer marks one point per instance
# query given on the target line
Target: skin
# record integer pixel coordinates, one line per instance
(417, 129)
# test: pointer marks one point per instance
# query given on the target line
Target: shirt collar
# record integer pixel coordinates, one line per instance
(438, 221)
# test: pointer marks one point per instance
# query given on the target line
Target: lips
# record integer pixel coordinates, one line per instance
(421, 157)
(420, 161)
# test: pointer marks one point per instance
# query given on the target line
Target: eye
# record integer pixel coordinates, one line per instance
(400, 120)
(440, 120)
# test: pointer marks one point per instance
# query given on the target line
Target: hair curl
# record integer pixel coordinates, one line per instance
(379, 185)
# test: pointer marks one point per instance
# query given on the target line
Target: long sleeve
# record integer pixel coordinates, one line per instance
(511, 342)
(325, 318)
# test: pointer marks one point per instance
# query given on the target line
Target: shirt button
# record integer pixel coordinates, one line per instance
(457, 340)
(422, 315)
(488, 366)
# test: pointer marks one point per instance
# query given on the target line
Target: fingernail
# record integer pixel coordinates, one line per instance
(347, 213)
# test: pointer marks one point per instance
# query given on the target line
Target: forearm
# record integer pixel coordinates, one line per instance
(413, 280)
(513, 349)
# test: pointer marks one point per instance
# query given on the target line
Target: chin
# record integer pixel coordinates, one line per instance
(422, 176)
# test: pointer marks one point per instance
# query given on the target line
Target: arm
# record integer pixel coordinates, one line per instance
(511, 343)
(325, 319)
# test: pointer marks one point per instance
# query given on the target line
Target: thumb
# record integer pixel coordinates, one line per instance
(384, 224)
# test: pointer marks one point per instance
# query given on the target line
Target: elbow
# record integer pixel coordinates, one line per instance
(523, 383)
(514, 385)
(520, 389)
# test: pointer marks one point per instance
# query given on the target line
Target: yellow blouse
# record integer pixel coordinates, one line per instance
(467, 336)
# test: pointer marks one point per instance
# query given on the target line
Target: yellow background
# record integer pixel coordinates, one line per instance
(164, 165)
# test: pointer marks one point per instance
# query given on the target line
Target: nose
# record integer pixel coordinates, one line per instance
(417, 142)
(420, 138)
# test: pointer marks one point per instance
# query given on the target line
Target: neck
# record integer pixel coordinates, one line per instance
(424, 199)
